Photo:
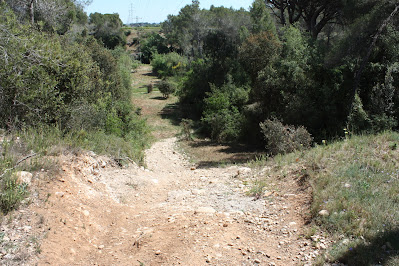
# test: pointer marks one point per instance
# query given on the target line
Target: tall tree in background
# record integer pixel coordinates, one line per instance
(315, 14)
(261, 20)
(107, 28)
(50, 15)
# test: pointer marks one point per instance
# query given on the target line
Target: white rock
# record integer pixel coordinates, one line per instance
(324, 213)
(244, 171)
(197, 191)
(24, 177)
(345, 241)
(59, 194)
(208, 210)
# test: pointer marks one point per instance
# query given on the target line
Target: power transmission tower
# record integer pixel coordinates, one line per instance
(130, 18)
(137, 19)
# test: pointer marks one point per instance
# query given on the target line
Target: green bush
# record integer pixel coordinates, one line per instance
(168, 65)
(166, 88)
(12, 193)
(49, 80)
(223, 113)
(284, 139)
(151, 45)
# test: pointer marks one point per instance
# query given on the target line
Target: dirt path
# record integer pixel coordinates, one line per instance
(170, 213)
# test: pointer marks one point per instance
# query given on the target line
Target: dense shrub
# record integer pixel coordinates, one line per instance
(47, 80)
(166, 88)
(284, 139)
(167, 65)
(223, 112)
(151, 45)
(108, 29)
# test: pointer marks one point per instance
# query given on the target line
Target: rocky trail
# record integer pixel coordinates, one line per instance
(170, 212)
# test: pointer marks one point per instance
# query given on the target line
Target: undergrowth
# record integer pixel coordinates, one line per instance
(357, 181)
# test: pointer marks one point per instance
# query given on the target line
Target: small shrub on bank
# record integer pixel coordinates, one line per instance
(284, 139)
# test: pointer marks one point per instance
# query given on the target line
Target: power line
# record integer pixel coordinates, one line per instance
(131, 12)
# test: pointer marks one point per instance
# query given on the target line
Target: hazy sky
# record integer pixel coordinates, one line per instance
(155, 10)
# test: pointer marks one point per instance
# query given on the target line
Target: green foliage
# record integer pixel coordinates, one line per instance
(358, 119)
(55, 16)
(356, 181)
(74, 85)
(168, 65)
(223, 116)
(302, 72)
(189, 31)
(166, 88)
(261, 19)
(258, 53)
(152, 45)
(194, 89)
(12, 193)
(108, 29)
(284, 139)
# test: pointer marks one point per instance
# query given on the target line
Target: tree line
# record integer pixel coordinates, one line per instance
(329, 66)
(61, 68)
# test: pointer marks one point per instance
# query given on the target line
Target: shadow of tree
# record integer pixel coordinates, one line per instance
(231, 153)
(172, 112)
(150, 74)
(381, 250)
(160, 98)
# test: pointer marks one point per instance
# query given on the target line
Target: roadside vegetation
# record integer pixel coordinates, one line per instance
(65, 84)
(354, 184)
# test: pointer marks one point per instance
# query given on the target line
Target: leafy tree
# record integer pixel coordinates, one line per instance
(261, 20)
(108, 29)
(315, 14)
(168, 65)
(50, 15)
(259, 53)
(166, 88)
(153, 44)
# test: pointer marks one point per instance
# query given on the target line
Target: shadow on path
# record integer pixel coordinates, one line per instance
(171, 112)
(211, 154)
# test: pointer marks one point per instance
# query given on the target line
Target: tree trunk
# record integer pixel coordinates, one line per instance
(32, 11)
(282, 17)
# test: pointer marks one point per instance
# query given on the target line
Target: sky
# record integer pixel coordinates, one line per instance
(154, 11)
